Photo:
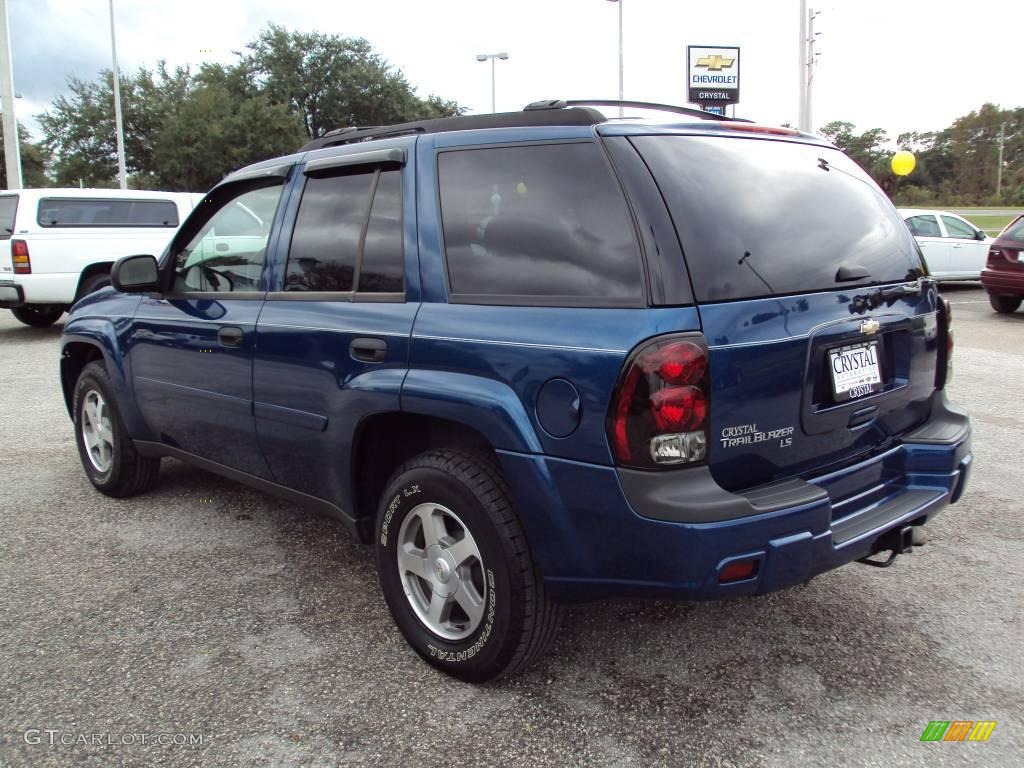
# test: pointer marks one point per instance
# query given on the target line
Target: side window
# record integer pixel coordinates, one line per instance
(538, 224)
(957, 228)
(229, 252)
(79, 212)
(340, 238)
(924, 226)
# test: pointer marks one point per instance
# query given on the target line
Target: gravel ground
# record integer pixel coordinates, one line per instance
(207, 609)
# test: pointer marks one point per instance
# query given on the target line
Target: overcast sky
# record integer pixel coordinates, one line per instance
(896, 64)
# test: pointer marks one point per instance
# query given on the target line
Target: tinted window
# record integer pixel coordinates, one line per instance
(228, 253)
(957, 228)
(759, 217)
(542, 221)
(382, 268)
(325, 242)
(55, 212)
(8, 208)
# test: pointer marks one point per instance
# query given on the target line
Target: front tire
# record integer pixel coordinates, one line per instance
(108, 455)
(456, 571)
(1004, 304)
(38, 315)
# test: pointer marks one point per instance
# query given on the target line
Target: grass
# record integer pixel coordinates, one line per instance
(992, 225)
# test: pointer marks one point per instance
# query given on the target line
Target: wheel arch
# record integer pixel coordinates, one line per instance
(96, 268)
(385, 441)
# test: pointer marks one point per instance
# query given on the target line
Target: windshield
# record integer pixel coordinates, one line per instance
(762, 218)
(8, 207)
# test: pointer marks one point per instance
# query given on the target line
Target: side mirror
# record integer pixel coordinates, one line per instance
(135, 274)
(979, 235)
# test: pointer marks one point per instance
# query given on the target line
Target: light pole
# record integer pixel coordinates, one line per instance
(493, 57)
(119, 128)
(12, 148)
(621, 97)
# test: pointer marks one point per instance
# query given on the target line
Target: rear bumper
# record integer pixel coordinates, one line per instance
(1003, 282)
(593, 539)
(11, 295)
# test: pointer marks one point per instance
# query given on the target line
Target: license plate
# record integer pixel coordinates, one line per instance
(855, 370)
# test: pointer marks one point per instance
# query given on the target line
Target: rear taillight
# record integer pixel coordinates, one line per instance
(995, 255)
(659, 413)
(19, 257)
(944, 369)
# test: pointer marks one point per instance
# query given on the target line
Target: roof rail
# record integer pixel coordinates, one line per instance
(351, 134)
(690, 111)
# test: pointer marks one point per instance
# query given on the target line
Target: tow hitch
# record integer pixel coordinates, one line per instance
(898, 541)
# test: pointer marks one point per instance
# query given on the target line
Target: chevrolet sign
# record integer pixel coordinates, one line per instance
(713, 75)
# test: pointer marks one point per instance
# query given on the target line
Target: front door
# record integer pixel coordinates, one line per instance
(191, 349)
(968, 254)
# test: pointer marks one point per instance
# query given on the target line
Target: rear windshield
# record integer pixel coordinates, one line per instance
(760, 217)
(8, 207)
(1015, 231)
(72, 212)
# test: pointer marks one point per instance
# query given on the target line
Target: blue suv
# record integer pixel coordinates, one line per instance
(541, 357)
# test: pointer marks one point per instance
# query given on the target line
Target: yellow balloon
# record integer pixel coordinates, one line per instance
(903, 162)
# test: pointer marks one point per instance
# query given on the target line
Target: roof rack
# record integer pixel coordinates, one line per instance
(539, 113)
(690, 111)
(526, 118)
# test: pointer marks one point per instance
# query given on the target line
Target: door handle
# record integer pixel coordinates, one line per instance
(230, 336)
(368, 350)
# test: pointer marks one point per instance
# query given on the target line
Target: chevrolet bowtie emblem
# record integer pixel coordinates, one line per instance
(870, 327)
(715, 63)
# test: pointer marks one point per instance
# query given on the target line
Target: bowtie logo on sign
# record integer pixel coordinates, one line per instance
(713, 76)
(715, 63)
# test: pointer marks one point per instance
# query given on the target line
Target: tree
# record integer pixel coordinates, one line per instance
(214, 132)
(332, 81)
(33, 161)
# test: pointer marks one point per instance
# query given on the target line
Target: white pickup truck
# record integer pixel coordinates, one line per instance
(57, 245)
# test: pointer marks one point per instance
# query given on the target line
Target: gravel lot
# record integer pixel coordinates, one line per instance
(206, 608)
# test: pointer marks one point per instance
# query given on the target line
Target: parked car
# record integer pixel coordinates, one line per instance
(953, 248)
(478, 343)
(1003, 277)
(62, 242)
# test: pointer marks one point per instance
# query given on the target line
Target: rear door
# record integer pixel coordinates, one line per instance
(967, 252)
(823, 345)
(333, 337)
(937, 249)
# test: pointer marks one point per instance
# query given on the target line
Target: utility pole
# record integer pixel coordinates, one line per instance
(811, 62)
(118, 126)
(801, 121)
(999, 165)
(12, 148)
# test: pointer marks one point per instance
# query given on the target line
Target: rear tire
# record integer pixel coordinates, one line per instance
(107, 452)
(492, 616)
(93, 283)
(1004, 304)
(38, 315)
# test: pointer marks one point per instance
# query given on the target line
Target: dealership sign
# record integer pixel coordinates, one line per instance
(713, 74)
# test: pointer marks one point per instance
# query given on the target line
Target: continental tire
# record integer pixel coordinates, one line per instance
(107, 453)
(456, 571)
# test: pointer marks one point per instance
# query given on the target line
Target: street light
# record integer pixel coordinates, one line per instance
(12, 149)
(620, 52)
(118, 126)
(493, 57)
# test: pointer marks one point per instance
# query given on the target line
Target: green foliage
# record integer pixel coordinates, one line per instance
(185, 130)
(33, 161)
(332, 81)
(955, 166)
